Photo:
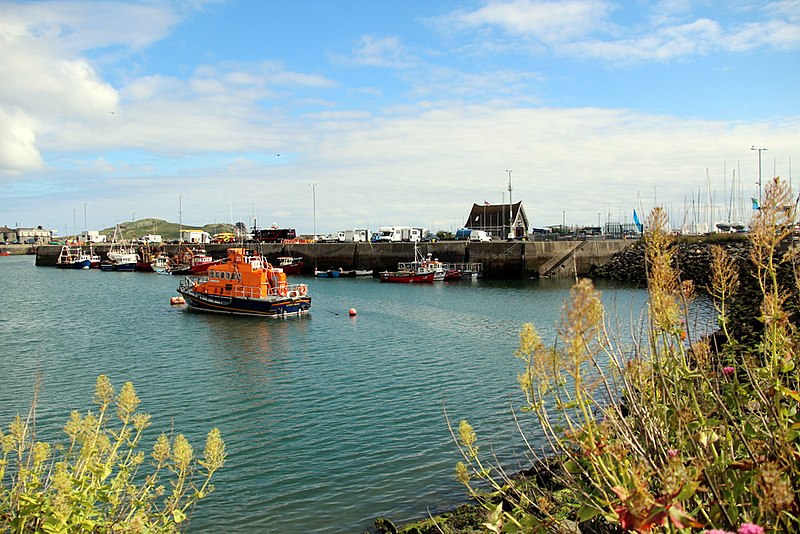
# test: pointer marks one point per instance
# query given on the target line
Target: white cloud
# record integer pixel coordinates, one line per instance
(372, 51)
(18, 150)
(80, 26)
(546, 21)
(584, 29)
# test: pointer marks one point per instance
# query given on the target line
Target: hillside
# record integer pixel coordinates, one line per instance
(167, 230)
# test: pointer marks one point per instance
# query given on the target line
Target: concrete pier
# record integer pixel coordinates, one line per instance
(500, 259)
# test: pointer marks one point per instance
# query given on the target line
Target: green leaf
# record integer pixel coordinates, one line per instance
(587, 512)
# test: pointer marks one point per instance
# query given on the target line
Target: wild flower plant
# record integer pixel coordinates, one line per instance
(98, 481)
(676, 431)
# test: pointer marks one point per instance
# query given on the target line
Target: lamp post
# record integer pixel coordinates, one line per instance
(759, 173)
(180, 218)
(510, 204)
(314, 207)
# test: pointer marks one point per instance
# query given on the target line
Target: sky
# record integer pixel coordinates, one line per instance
(323, 115)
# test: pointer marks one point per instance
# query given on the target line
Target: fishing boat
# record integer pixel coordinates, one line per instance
(73, 258)
(290, 264)
(193, 262)
(160, 263)
(419, 271)
(245, 284)
(94, 259)
(147, 253)
(121, 256)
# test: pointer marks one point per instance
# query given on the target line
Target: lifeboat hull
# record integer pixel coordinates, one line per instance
(270, 307)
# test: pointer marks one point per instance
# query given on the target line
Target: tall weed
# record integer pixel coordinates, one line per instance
(676, 432)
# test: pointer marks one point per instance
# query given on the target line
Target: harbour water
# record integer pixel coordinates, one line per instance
(330, 421)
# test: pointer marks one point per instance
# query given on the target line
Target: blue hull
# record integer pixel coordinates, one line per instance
(85, 264)
(128, 267)
(280, 307)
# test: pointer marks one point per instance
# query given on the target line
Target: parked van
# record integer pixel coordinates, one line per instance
(479, 236)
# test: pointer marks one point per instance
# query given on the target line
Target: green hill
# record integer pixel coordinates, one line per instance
(167, 230)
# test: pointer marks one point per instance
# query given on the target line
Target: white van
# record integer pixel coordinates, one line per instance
(479, 235)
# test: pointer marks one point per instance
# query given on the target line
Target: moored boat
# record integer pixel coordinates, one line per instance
(407, 277)
(73, 258)
(419, 271)
(160, 263)
(121, 256)
(245, 284)
(192, 262)
(290, 264)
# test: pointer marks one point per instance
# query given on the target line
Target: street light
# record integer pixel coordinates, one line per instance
(759, 173)
(180, 218)
(314, 206)
(510, 204)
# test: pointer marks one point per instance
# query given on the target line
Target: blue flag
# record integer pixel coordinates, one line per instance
(637, 222)
(755, 202)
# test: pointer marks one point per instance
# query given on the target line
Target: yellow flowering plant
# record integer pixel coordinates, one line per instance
(673, 431)
(99, 481)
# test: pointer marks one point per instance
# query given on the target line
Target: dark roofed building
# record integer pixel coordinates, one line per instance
(496, 220)
(7, 235)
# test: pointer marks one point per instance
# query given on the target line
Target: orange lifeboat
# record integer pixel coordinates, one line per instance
(245, 284)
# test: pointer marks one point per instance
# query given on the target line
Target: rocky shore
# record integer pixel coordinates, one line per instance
(692, 257)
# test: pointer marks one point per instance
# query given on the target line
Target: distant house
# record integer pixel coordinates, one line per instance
(36, 235)
(499, 220)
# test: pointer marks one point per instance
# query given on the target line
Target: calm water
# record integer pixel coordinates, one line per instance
(330, 421)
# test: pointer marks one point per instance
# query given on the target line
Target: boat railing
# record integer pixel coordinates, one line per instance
(248, 292)
(289, 290)
(472, 267)
(252, 292)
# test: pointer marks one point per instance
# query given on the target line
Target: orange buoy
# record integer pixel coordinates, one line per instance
(352, 312)
(177, 300)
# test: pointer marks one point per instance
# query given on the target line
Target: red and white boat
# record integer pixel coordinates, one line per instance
(191, 261)
(419, 271)
(290, 264)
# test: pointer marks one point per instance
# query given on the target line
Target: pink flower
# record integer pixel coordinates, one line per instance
(716, 531)
(673, 453)
(750, 528)
(728, 371)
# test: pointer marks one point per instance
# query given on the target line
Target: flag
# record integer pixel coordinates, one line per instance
(485, 202)
(637, 222)
(755, 202)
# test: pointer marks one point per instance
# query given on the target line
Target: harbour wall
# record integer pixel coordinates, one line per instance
(500, 259)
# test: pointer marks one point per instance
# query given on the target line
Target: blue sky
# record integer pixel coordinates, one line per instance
(402, 112)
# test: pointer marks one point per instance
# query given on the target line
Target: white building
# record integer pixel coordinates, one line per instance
(195, 236)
